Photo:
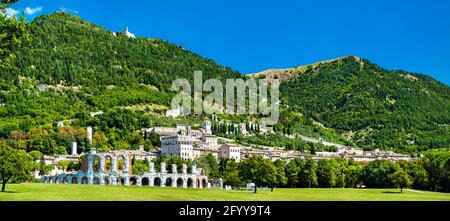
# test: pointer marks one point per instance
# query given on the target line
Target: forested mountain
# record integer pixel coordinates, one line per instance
(371, 106)
(68, 49)
(73, 67)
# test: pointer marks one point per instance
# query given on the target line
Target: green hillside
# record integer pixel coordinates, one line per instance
(73, 67)
(68, 49)
(373, 107)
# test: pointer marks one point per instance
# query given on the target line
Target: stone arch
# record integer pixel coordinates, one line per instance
(169, 181)
(96, 163)
(65, 180)
(190, 182)
(180, 182)
(204, 183)
(157, 181)
(96, 180)
(122, 163)
(145, 181)
(74, 180)
(120, 181)
(106, 180)
(133, 181)
(108, 163)
(84, 180)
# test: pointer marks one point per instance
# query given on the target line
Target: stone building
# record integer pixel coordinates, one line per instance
(178, 145)
(230, 151)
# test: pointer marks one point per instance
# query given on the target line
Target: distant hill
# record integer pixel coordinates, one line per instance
(288, 73)
(369, 105)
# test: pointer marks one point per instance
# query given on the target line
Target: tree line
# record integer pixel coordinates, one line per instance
(432, 172)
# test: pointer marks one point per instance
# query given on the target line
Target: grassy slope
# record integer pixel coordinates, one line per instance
(52, 192)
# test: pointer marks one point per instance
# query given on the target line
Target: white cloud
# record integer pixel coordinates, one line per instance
(31, 11)
(10, 12)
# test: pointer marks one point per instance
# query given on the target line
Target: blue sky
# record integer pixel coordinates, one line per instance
(251, 36)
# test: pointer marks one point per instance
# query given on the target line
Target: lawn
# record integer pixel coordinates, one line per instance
(56, 192)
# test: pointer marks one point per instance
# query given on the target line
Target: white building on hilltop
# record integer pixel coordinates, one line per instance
(125, 33)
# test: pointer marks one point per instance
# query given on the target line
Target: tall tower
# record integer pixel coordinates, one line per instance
(74, 148)
(89, 134)
(207, 126)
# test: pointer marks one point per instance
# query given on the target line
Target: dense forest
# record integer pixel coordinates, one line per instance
(371, 106)
(73, 67)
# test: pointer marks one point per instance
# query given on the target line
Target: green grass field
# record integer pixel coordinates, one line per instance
(55, 192)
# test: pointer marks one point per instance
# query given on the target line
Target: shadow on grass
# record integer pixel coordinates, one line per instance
(9, 192)
(392, 192)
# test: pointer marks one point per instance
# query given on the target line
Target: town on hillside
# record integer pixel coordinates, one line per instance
(189, 144)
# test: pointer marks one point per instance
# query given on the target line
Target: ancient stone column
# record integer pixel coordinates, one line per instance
(151, 167)
(138, 181)
(114, 165)
(126, 180)
(113, 180)
(184, 182)
(127, 164)
(163, 167)
(163, 180)
(184, 169)
(174, 182)
(102, 165)
(194, 169)
(90, 172)
(174, 169)
(151, 180)
(101, 171)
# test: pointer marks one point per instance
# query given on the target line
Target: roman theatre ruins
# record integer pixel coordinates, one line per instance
(114, 168)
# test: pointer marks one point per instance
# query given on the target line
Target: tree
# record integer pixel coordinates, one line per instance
(417, 173)
(63, 164)
(258, 170)
(400, 179)
(292, 170)
(353, 175)
(434, 163)
(375, 173)
(139, 167)
(280, 174)
(13, 32)
(209, 163)
(326, 173)
(228, 170)
(14, 164)
(308, 173)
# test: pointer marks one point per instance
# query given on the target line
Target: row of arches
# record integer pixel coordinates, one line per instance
(144, 181)
(106, 163)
